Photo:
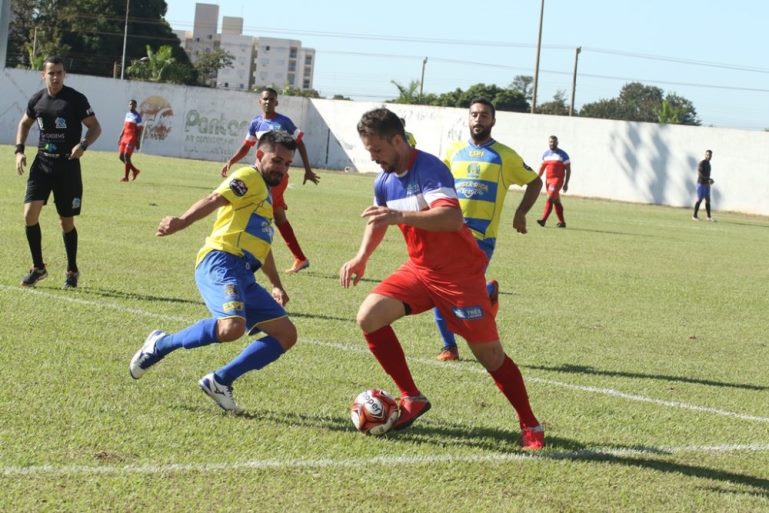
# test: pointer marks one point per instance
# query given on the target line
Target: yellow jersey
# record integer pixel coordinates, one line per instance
(482, 176)
(243, 226)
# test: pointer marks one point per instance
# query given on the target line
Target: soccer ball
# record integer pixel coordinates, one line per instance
(374, 412)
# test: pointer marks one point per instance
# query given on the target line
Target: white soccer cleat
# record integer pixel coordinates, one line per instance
(221, 394)
(146, 356)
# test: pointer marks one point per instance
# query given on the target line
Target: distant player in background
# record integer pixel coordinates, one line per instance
(415, 191)
(409, 136)
(239, 244)
(266, 121)
(130, 139)
(60, 113)
(703, 186)
(484, 170)
(558, 166)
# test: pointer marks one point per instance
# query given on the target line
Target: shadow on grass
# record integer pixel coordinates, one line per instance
(120, 294)
(624, 234)
(584, 369)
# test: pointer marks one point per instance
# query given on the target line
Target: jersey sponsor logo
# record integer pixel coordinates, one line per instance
(476, 153)
(470, 189)
(230, 290)
(238, 187)
(231, 306)
(473, 170)
(468, 313)
(76, 203)
(60, 123)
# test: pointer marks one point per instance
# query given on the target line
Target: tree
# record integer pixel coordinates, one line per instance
(88, 34)
(209, 64)
(406, 94)
(289, 90)
(160, 66)
(524, 85)
(639, 102)
(557, 106)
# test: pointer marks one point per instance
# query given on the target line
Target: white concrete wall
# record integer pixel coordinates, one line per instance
(636, 162)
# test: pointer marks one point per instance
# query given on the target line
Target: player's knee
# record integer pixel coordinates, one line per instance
(122, 158)
(287, 336)
(228, 330)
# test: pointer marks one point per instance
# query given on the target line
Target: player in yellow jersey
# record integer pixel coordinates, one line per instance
(483, 170)
(239, 244)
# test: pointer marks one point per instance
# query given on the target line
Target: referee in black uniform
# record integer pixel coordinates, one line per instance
(60, 112)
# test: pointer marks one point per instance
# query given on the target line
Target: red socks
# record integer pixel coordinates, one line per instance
(559, 212)
(384, 345)
(548, 209)
(509, 381)
(293, 245)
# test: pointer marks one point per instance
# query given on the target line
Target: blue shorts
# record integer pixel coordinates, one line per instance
(703, 191)
(229, 289)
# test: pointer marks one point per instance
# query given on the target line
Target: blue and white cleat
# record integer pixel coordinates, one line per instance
(146, 356)
(221, 394)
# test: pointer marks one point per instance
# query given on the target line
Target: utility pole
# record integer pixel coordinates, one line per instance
(536, 66)
(422, 81)
(574, 80)
(125, 38)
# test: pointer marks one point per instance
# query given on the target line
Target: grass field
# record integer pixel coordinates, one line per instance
(642, 336)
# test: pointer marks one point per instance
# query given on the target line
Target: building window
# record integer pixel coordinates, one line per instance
(267, 48)
(308, 59)
(292, 53)
(306, 84)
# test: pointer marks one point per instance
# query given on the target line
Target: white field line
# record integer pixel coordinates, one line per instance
(460, 367)
(387, 461)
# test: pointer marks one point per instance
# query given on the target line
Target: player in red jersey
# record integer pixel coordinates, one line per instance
(130, 139)
(445, 269)
(558, 166)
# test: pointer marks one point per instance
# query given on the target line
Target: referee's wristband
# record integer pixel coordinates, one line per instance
(19, 149)
(83, 145)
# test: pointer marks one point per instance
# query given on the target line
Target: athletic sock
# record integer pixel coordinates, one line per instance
(200, 334)
(384, 345)
(697, 208)
(127, 170)
(257, 355)
(449, 340)
(35, 241)
(509, 381)
(70, 246)
(548, 209)
(559, 212)
(707, 207)
(287, 232)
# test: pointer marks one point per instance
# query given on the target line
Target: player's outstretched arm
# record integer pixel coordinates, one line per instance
(353, 270)
(201, 208)
(308, 172)
(242, 152)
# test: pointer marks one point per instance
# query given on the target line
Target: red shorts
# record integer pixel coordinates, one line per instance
(277, 194)
(126, 147)
(553, 187)
(461, 299)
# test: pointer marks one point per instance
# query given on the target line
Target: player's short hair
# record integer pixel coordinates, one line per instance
(53, 59)
(269, 90)
(132, 101)
(381, 122)
(554, 137)
(273, 138)
(486, 102)
(709, 151)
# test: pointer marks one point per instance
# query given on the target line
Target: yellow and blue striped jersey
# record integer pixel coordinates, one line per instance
(482, 176)
(243, 226)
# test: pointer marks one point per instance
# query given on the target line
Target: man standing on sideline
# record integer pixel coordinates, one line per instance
(130, 139)
(239, 244)
(703, 185)
(264, 122)
(60, 112)
(484, 170)
(445, 268)
(558, 166)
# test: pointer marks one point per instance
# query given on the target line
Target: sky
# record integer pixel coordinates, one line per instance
(715, 57)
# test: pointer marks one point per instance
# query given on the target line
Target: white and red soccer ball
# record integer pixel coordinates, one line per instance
(374, 412)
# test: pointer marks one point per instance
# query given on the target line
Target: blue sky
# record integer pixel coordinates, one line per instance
(715, 57)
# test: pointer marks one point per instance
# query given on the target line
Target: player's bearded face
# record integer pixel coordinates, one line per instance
(480, 122)
(382, 151)
(274, 164)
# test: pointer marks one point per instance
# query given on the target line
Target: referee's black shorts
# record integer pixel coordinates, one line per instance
(60, 176)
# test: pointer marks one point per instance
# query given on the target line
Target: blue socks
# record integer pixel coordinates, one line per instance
(449, 340)
(199, 334)
(257, 355)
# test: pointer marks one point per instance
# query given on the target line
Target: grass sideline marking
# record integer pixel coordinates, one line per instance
(446, 365)
(389, 461)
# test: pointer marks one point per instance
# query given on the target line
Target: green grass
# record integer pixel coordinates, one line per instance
(642, 336)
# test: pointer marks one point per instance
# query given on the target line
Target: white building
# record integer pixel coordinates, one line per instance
(257, 61)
